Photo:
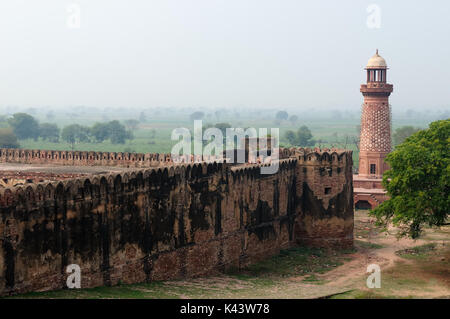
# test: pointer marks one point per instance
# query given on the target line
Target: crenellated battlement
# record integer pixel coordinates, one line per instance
(139, 217)
(125, 159)
(83, 158)
(317, 156)
(43, 191)
(82, 187)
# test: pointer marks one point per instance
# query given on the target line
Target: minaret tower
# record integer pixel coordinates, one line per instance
(375, 141)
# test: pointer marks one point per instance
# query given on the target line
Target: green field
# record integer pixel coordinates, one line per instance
(154, 134)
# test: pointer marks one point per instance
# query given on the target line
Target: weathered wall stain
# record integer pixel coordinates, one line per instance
(170, 222)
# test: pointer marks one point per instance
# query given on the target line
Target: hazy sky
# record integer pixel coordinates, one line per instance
(224, 53)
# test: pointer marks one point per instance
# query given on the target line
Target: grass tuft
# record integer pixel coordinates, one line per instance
(418, 252)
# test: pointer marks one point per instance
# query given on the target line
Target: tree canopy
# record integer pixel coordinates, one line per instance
(75, 133)
(131, 124)
(282, 115)
(303, 137)
(100, 132)
(113, 130)
(117, 132)
(8, 139)
(293, 119)
(402, 133)
(49, 132)
(418, 181)
(24, 126)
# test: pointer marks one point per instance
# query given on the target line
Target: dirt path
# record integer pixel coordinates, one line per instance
(353, 275)
(400, 277)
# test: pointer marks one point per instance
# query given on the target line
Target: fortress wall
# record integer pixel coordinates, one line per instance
(326, 214)
(84, 158)
(170, 222)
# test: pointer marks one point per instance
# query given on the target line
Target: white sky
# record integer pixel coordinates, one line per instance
(224, 53)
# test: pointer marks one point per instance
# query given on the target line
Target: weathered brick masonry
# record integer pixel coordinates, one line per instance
(168, 222)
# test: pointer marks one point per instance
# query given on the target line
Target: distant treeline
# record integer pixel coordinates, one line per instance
(24, 126)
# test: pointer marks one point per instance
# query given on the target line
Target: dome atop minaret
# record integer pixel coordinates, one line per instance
(376, 62)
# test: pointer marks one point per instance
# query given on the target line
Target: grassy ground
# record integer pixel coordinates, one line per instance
(418, 252)
(422, 271)
(260, 278)
(409, 269)
(155, 137)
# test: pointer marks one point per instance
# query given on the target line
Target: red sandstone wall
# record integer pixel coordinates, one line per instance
(83, 158)
(326, 200)
(173, 222)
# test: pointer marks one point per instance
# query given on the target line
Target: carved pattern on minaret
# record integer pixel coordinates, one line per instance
(375, 128)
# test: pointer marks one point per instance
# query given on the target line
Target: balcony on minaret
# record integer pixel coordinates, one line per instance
(376, 74)
(376, 77)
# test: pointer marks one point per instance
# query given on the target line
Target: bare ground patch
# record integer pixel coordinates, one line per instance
(409, 269)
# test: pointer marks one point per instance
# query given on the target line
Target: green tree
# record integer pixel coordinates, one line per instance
(75, 133)
(418, 181)
(117, 133)
(304, 137)
(402, 133)
(100, 132)
(293, 119)
(24, 126)
(49, 132)
(8, 139)
(291, 137)
(282, 115)
(131, 124)
(113, 130)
